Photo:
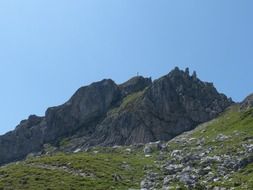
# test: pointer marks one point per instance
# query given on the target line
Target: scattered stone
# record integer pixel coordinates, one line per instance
(222, 137)
(147, 149)
(176, 153)
(248, 147)
(187, 178)
(116, 177)
(172, 169)
(77, 150)
(116, 147)
(168, 179)
(149, 182)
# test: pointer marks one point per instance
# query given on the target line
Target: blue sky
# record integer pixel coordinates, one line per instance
(48, 49)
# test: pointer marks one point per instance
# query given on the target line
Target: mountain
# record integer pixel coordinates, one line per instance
(216, 155)
(107, 114)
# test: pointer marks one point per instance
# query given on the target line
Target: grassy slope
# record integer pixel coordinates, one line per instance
(62, 171)
(238, 127)
(127, 103)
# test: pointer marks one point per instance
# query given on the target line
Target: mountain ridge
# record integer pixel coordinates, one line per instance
(106, 114)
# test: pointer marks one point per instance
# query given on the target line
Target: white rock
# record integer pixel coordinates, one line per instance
(77, 150)
(176, 152)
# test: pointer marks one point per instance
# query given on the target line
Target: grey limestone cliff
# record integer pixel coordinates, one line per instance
(104, 113)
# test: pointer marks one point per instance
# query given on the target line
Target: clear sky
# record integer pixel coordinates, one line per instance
(49, 48)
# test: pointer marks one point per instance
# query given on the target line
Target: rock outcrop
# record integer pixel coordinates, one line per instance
(173, 104)
(104, 113)
(135, 84)
(83, 111)
(26, 138)
(247, 102)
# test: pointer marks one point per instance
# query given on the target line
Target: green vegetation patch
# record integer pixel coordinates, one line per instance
(127, 103)
(91, 170)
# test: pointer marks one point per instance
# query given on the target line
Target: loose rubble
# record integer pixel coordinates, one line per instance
(195, 166)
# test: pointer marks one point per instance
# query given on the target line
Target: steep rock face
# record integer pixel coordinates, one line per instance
(173, 104)
(84, 110)
(247, 102)
(103, 113)
(26, 138)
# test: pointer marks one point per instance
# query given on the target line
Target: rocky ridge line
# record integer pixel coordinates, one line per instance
(107, 114)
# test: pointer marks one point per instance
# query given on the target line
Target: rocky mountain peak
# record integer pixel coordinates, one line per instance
(107, 114)
(178, 72)
(135, 84)
(173, 104)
